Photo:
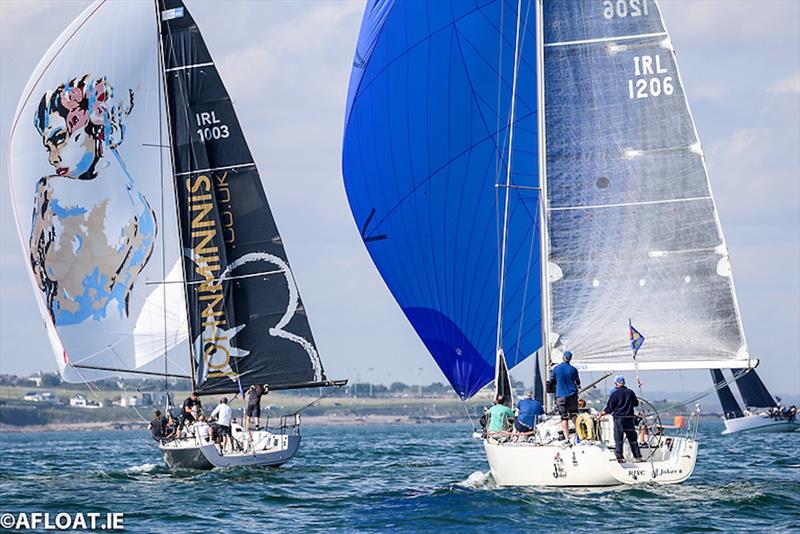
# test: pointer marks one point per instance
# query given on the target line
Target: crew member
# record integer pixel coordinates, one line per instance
(223, 414)
(620, 405)
(190, 405)
(157, 426)
(254, 395)
(201, 429)
(529, 410)
(567, 384)
(499, 415)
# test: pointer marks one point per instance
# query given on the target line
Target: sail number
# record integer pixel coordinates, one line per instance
(650, 80)
(211, 128)
(624, 8)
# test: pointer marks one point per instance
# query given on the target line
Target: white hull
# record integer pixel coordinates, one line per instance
(671, 460)
(759, 424)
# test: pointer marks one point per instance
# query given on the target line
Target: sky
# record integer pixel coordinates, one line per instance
(740, 64)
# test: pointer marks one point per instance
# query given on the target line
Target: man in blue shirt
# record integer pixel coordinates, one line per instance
(567, 384)
(620, 405)
(529, 411)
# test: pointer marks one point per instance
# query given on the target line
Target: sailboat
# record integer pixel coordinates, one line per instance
(152, 247)
(756, 397)
(527, 177)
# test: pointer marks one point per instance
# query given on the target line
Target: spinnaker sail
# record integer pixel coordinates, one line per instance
(425, 162)
(632, 226)
(137, 259)
(97, 229)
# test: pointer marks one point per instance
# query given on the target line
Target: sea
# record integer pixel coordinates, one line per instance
(390, 478)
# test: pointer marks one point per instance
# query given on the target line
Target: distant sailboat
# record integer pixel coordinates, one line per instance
(526, 176)
(756, 397)
(144, 220)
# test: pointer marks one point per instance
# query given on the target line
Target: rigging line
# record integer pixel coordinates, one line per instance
(534, 235)
(627, 204)
(319, 398)
(469, 416)
(499, 344)
(163, 217)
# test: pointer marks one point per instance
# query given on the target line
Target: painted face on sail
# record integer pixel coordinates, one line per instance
(73, 154)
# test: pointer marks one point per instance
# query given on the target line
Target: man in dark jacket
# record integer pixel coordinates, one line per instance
(621, 404)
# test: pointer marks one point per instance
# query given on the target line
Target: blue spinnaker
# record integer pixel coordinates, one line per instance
(425, 147)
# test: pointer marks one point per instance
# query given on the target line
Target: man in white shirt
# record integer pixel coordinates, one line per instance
(223, 414)
(202, 430)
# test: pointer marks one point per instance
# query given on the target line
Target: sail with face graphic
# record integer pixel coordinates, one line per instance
(248, 323)
(430, 166)
(98, 231)
(142, 214)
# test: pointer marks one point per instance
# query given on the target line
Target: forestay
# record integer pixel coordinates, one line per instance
(247, 320)
(425, 163)
(86, 169)
(633, 229)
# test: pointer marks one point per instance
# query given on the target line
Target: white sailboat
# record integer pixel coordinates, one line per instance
(152, 246)
(548, 143)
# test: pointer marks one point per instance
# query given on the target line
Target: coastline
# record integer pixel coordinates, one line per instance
(311, 420)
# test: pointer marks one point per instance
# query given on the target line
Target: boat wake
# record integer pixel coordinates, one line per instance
(144, 468)
(477, 481)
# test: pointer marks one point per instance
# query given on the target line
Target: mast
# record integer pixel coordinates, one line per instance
(544, 253)
(163, 94)
(500, 362)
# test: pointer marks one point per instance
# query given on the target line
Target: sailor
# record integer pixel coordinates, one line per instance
(254, 395)
(529, 410)
(499, 415)
(223, 414)
(191, 406)
(202, 430)
(170, 428)
(620, 405)
(157, 426)
(567, 384)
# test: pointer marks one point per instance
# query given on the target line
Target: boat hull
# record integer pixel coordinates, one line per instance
(188, 456)
(759, 424)
(588, 464)
(260, 449)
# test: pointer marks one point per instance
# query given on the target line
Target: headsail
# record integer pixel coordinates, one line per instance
(730, 407)
(425, 148)
(247, 320)
(85, 172)
(754, 392)
(632, 224)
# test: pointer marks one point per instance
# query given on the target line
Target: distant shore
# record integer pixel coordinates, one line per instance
(311, 420)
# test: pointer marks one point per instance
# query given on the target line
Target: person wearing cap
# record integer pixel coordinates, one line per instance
(621, 405)
(528, 412)
(191, 406)
(567, 383)
(223, 413)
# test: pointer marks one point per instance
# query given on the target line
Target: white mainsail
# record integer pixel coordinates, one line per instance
(632, 225)
(93, 198)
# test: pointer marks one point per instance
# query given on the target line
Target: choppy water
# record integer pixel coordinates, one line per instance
(425, 478)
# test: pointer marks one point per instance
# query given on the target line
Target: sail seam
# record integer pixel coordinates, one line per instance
(625, 204)
(606, 39)
(211, 169)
